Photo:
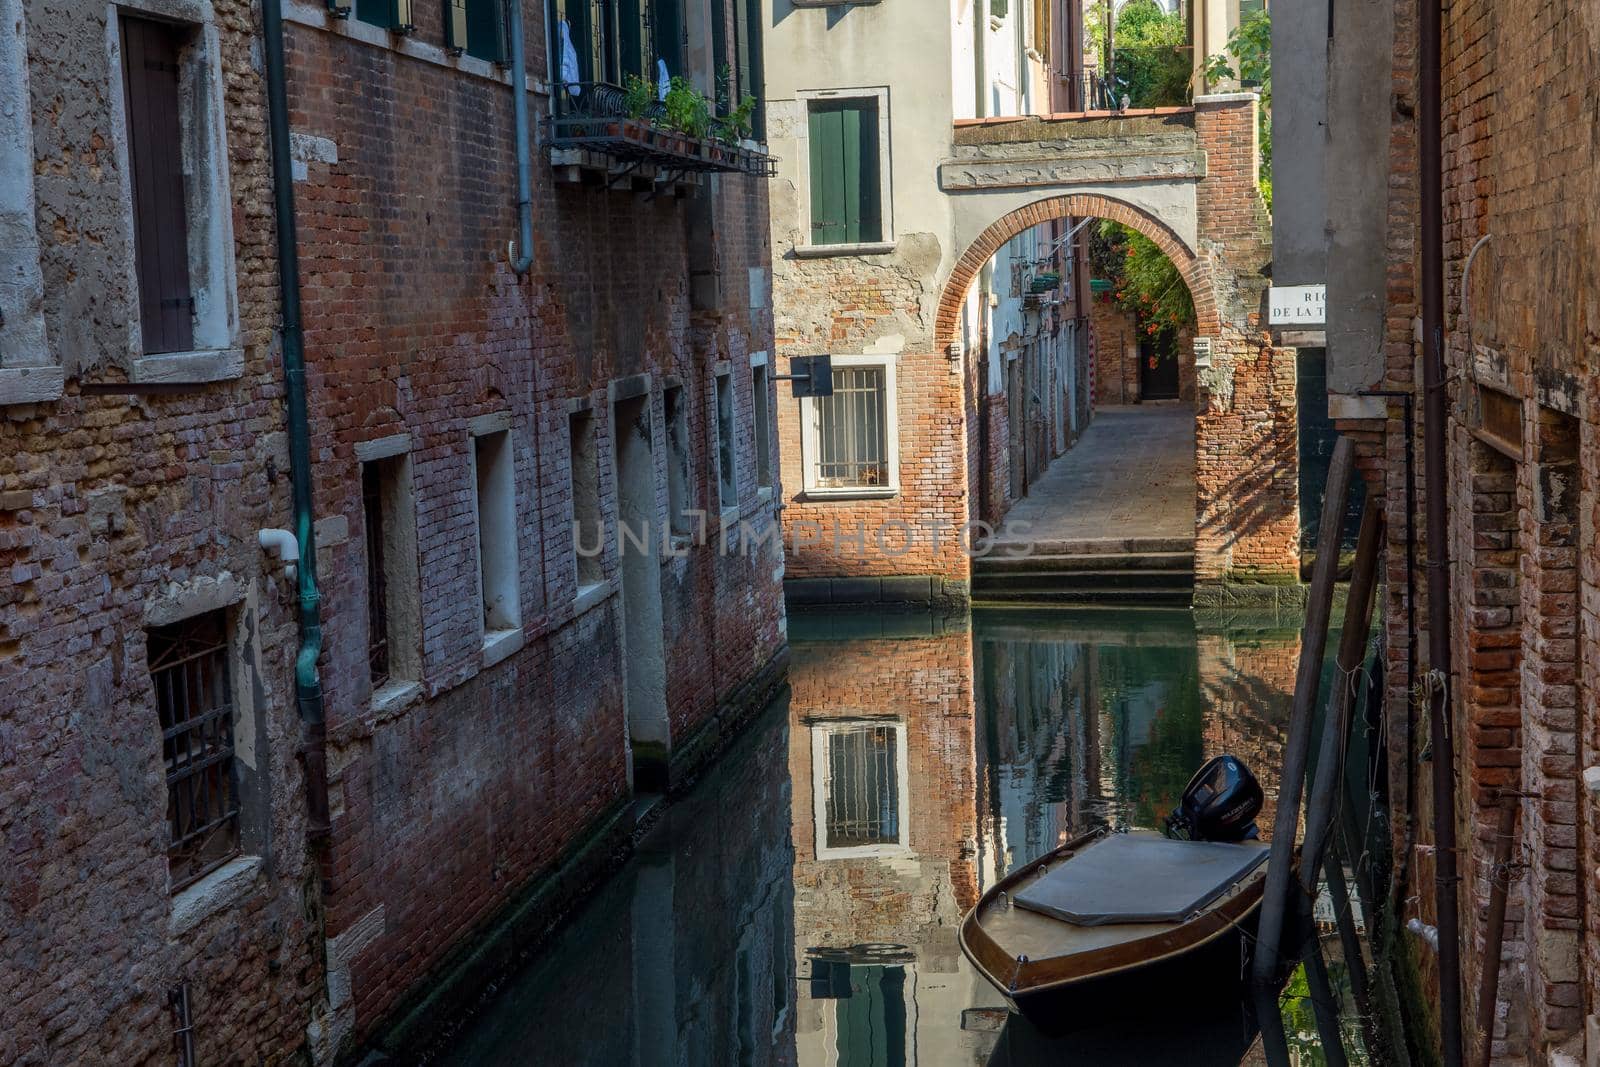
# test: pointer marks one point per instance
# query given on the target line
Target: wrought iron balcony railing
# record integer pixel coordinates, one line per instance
(595, 116)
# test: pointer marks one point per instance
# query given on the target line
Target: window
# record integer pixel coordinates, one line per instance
(748, 59)
(393, 608)
(615, 38)
(153, 98)
(849, 440)
(863, 794)
(394, 15)
(587, 536)
(860, 789)
(1249, 9)
(476, 27)
(762, 411)
(494, 469)
(167, 84)
(680, 487)
(194, 702)
(846, 194)
(727, 472)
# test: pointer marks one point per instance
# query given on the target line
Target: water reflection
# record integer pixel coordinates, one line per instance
(801, 906)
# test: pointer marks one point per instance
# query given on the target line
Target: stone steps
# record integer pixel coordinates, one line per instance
(1131, 572)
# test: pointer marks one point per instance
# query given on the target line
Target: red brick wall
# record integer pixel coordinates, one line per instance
(112, 500)
(1246, 448)
(926, 686)
(446, 810)
(1116, 353)
(1519, 167)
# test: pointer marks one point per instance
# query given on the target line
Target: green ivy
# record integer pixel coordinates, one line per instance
(1143, 280)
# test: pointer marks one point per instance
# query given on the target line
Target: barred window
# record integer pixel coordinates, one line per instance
(194, 699)
(852, 431)
(863, 806)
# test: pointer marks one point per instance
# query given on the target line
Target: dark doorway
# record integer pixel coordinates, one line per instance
(1158, 365)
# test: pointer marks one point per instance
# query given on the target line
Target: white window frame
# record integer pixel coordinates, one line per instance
(239, 602)
(724, 372)
(763, 424)
(218, 354)
(804, 248)
(820, 733)
(497, 642)
(891, 444)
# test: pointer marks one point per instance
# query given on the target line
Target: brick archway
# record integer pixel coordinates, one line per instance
(1194, 270)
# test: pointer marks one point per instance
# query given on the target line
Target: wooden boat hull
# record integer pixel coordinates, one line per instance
(1206, 979)
(1102, 973)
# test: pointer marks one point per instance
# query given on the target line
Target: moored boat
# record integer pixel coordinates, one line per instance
(1107, 922)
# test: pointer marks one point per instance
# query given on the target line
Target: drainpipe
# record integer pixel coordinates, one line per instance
(1430, 166)
(519, 110)
(307, 683)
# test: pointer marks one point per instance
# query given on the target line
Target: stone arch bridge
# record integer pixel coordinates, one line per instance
(1187, 179)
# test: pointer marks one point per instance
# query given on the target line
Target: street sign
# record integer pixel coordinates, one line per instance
(1297, 305)
(811, 375)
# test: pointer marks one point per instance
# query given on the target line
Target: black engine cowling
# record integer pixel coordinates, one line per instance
(1220, 803)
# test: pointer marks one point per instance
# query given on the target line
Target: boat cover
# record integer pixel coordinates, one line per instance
(1140, 878)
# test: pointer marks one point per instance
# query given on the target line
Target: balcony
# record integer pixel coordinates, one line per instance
(596, 128)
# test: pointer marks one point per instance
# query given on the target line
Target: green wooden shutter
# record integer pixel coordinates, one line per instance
(844, 173)
(486, 29)
(455, 26)
(633, 17)
(579, 15)
(666, 27)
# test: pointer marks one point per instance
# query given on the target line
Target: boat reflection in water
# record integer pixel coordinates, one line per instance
(801, 905)
(930, 759)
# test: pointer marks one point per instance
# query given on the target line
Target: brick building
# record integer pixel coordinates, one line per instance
(154, 816)
(1523, 449)
(956, 393)
(496, 648)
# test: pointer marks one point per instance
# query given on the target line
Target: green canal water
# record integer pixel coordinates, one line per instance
(800, 905)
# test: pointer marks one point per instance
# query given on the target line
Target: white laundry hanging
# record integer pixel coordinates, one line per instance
(569, 61)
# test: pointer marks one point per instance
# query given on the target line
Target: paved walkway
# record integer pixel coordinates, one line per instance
(1130, 476)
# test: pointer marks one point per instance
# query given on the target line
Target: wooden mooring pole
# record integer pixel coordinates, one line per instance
(1314, 642)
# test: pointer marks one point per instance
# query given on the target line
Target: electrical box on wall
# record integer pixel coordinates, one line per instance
(1202, 352)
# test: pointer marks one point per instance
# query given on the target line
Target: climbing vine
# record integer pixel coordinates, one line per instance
(1143, 281)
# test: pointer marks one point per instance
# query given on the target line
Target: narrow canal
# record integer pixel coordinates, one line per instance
(801, 904)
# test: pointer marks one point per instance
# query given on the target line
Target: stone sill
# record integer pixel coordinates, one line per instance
(394, 698)
(867, 248)
(498, 644)
(875, 493)
(188, 368)
(216, 892)
(591, 596)
(31, 385)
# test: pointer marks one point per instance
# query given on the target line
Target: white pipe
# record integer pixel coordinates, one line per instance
(284, 545)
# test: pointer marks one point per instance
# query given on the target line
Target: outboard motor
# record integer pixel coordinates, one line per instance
(1219, 804)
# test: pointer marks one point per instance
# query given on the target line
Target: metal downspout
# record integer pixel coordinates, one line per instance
(522, 260)
(519, 110)
(1435, 401)
(307, 682)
